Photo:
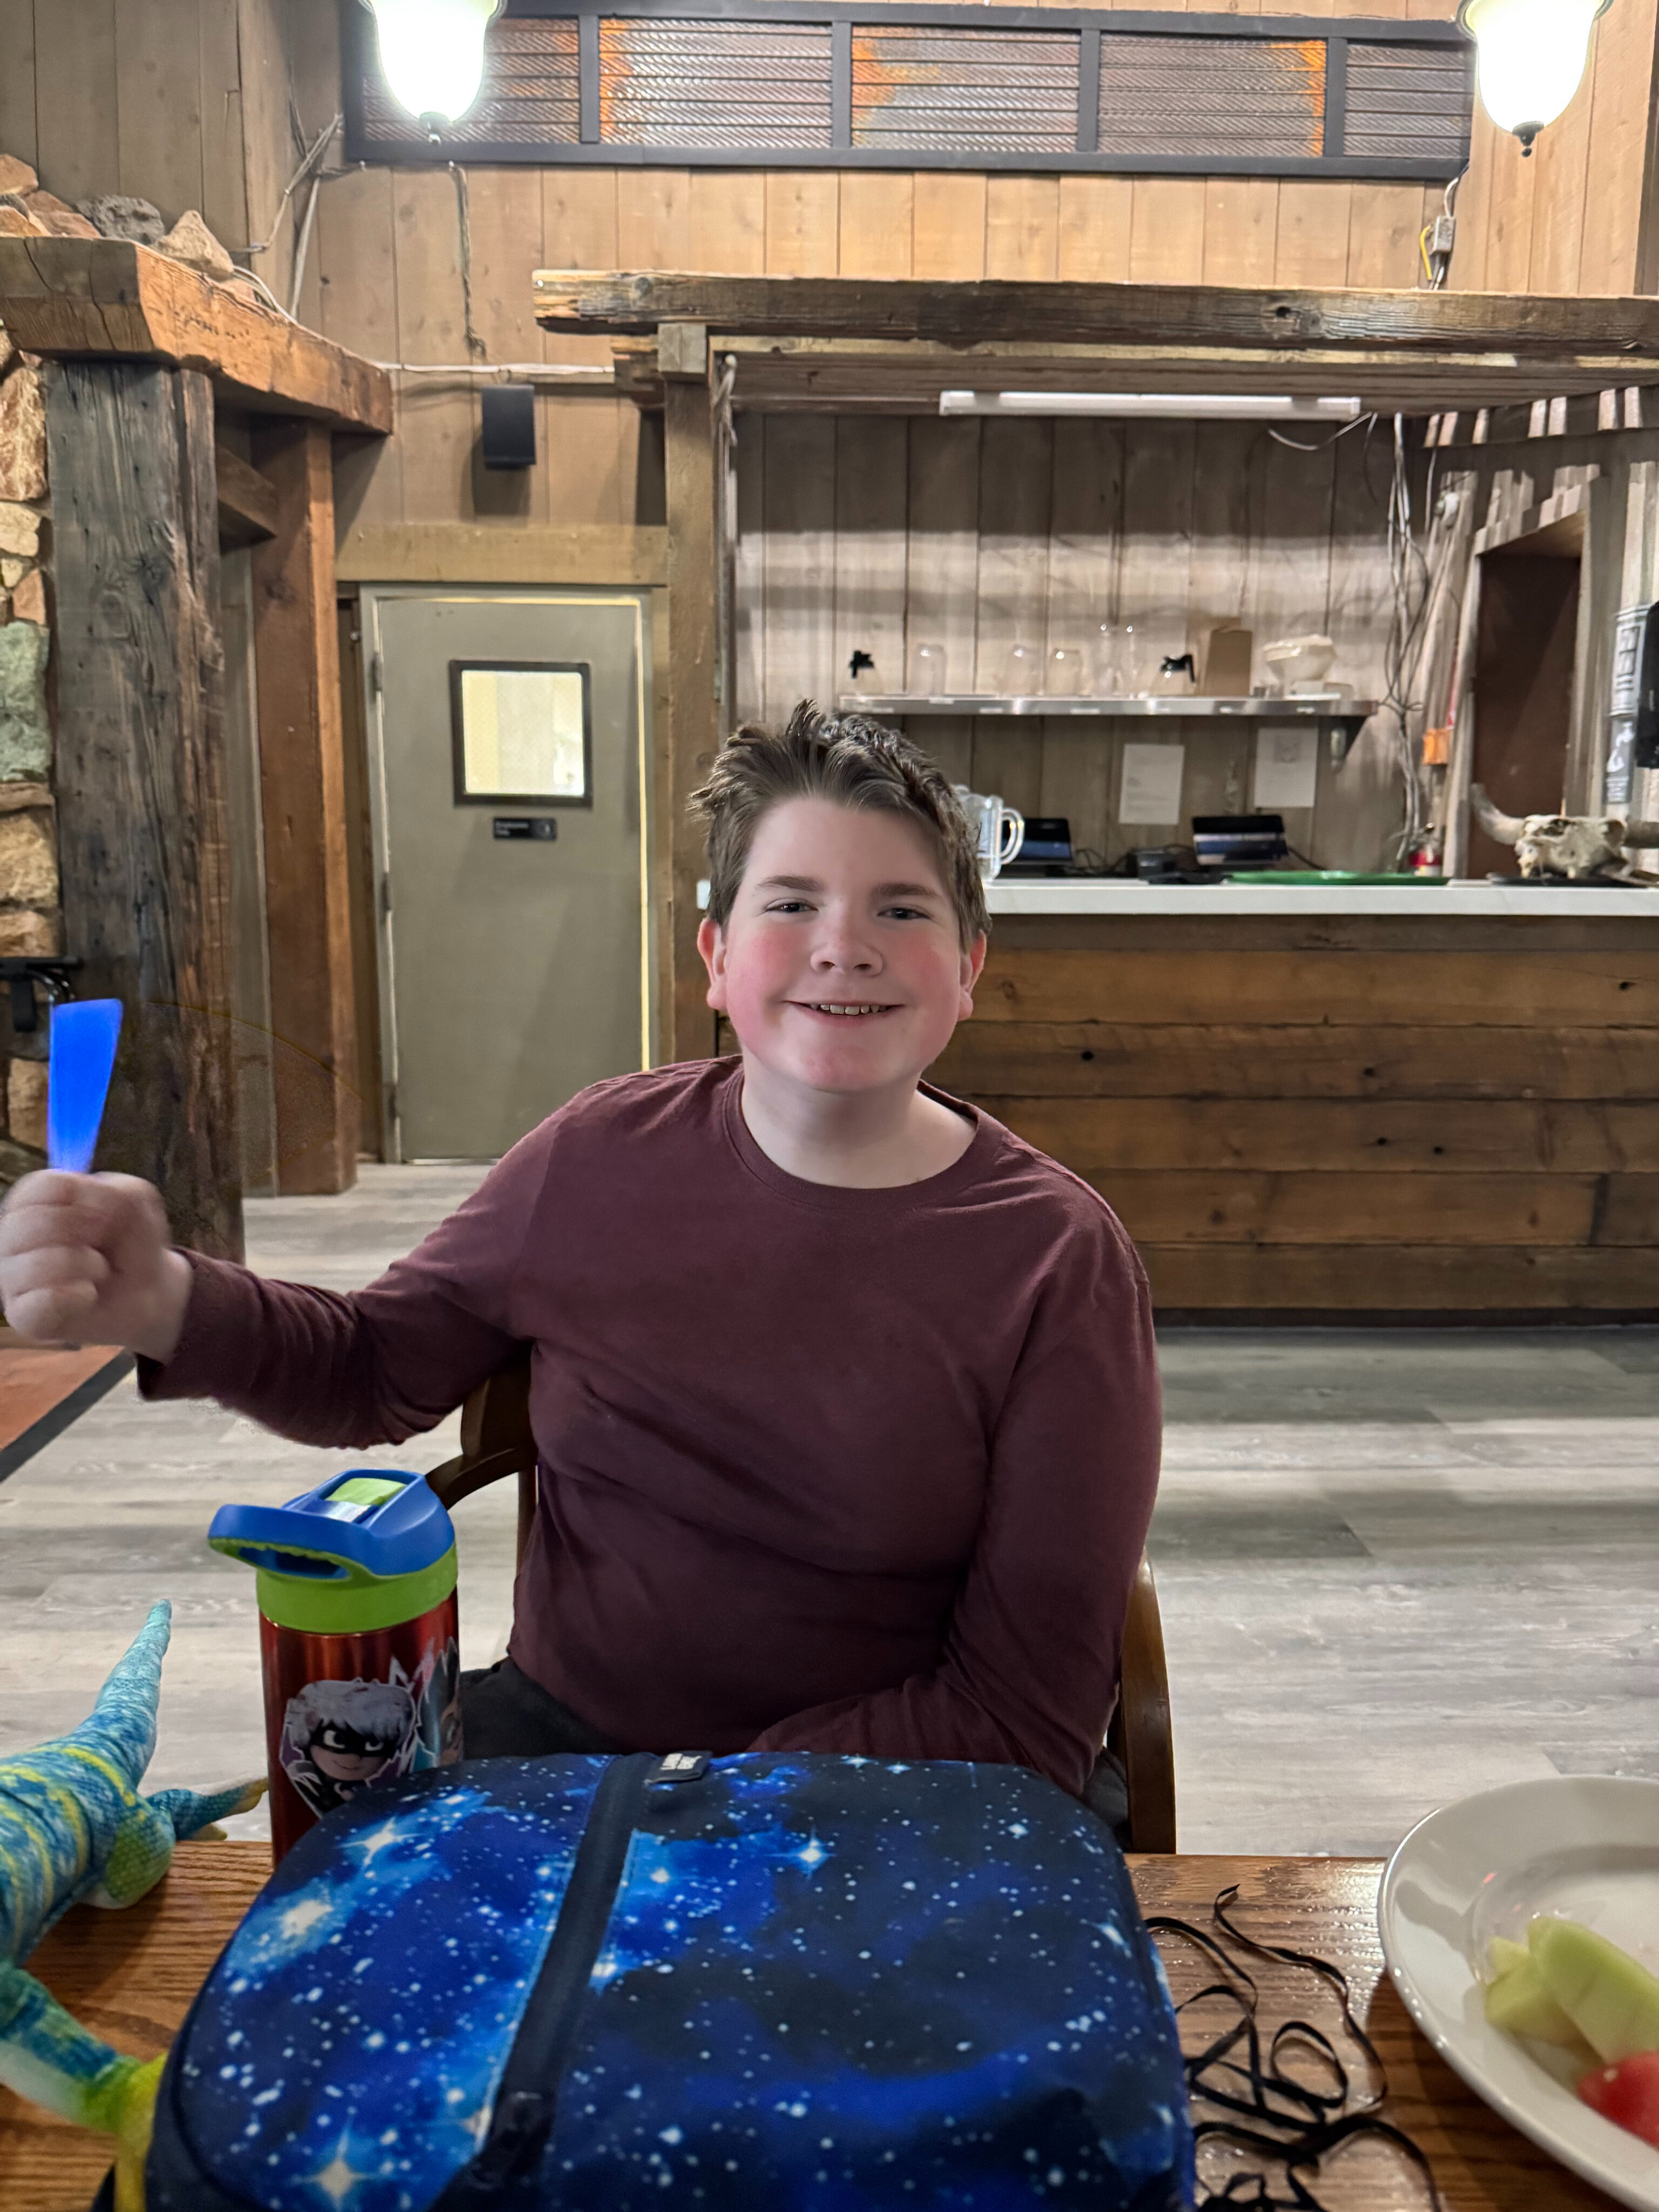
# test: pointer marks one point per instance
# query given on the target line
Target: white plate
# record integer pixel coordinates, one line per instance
(1584, 1847)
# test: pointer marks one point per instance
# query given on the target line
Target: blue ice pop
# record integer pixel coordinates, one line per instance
(84, 1035)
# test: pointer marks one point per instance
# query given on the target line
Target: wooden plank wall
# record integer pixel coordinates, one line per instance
(1578, 216)
(879, 532)
(183, 102)
(1342, 1119)
(102, 103)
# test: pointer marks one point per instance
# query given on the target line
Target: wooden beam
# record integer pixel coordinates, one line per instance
(142, 828)
(302, 784)
(1171, 317)
(248, 503)
(75, 298)
(608, 553)
(839, 376)
(686, 1028)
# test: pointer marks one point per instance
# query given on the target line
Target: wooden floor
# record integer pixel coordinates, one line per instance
(1395, 1567)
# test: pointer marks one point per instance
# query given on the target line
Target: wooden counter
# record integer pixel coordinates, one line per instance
(1444, 1105)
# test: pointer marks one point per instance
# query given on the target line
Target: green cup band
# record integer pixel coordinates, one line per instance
(350, 1608)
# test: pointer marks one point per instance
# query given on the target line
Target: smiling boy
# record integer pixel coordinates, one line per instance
(846, 1398)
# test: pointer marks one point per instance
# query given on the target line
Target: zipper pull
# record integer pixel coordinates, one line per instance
(681, 1766)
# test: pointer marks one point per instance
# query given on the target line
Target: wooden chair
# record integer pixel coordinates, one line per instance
(496, 1441)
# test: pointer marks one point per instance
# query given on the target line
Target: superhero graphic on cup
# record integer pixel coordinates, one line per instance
(341, 1737)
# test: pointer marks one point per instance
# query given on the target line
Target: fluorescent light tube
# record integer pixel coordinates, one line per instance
(1237, 407)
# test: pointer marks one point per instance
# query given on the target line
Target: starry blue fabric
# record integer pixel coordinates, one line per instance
(824, 1982)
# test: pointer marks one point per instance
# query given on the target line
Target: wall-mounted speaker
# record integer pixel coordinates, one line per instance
(508, 438)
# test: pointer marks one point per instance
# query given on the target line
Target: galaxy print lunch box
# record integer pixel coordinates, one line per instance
(765, 1981)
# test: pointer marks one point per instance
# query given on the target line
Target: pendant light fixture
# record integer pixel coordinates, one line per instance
(1529, 57)
(432, 54)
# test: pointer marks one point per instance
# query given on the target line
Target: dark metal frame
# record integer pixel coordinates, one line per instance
(1336, 32)
(466, 798)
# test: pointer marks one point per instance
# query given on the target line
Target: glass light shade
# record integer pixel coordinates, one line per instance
(1529, 57)
(432, 53)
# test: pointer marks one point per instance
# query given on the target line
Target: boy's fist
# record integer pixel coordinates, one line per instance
(86, 1258)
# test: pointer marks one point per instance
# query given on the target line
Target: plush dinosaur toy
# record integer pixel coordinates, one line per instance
(73, 1826)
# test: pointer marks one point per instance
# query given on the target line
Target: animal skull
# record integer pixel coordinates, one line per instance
(1576, 846)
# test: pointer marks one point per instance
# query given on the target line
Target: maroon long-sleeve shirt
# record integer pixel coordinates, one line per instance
(821, 1469)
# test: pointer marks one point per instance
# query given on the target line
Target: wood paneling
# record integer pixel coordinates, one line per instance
(1578, 216)
(140, 773)
(188, 104)
(948, 226)
(1438, 1136)
(1375, 1130)
(1283, 1062)
(1556, 990)
(1332, 1208)
(977, 536)
(1477, 1282)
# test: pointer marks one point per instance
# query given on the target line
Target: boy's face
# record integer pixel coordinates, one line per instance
(839, 908)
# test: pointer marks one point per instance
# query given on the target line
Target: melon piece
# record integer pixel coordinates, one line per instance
(1612, 1999)
(1502, 1954)
(1519, 2003)
(1627, 2094)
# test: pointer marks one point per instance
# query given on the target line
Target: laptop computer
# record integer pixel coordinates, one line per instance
(1046, 849)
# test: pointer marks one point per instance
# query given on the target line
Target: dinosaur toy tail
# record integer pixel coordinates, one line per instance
(123, 1721)
(48, 2056)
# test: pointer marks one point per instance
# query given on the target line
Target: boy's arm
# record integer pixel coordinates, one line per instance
(382, 1363)
(1028, 1671)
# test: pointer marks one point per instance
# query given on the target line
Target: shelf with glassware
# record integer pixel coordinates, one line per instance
(1125, 683)
(1324, 706)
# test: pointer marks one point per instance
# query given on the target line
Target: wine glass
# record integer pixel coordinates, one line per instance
(927, 670)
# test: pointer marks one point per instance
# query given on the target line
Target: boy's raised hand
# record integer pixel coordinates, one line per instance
(86, 1258)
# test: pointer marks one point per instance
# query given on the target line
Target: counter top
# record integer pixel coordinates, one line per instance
(1123, 896)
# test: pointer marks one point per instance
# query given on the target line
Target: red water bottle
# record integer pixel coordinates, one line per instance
(358, 1639)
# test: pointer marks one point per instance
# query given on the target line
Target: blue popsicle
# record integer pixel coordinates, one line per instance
(84, 1035)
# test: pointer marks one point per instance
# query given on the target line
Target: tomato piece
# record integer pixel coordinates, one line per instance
(1627, 2094)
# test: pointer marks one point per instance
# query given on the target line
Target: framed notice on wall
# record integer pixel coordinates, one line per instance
(523, 731)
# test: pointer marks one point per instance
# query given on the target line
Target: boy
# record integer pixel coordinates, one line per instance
(846, 1398)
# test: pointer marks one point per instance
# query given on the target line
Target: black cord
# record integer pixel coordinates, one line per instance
(1252, 2102)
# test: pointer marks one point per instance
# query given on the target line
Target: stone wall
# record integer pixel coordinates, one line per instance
(30, 918)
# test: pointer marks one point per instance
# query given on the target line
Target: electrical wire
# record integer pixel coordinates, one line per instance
(1409, 582)
(310, 157)
(1320, 445)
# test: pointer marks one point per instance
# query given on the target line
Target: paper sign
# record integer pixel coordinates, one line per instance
(1151, 790)
(1286, 764)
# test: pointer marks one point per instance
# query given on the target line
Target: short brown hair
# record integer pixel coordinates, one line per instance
(852, 763)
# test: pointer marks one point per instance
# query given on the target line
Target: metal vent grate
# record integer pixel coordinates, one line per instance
(965, 91)
(846, 84)
(1238, 97)
(1409, 100)
(529, 94)
(676, 81)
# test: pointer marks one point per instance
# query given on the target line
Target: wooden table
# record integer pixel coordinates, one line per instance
(131, 1976)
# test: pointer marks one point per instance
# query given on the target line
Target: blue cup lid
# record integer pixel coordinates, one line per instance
(372, 1523)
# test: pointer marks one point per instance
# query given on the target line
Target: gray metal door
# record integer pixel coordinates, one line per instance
(508, 731)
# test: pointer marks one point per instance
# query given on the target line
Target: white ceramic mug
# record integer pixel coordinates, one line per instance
(999, 830)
